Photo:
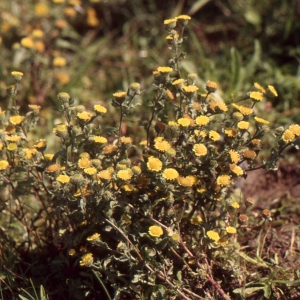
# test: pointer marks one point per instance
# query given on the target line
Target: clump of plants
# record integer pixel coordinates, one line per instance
(106, 218)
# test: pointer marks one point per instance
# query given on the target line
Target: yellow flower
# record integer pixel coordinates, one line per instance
(59, 61)
(256, 96)
(288, 136)
(72, 252)
(213, 104)
(86, 260)
(28, 152)
(295, 128)
(61, 24)
(201, 190)
(271, 91)
(223, 180)
(196, 220)
(93, 237)
(162, 146)
(125, 174)
(243, 125)
(53, 168)
(255, 141)
(214, 135)
(230, 132)
(155, 231)
(27, 42)
(109, 149)
(126, 140)
(258, 87)
(100, 109)
(84, 163)
(164, 70)
(230, 230)
(17, 75)
(211, 86)
(99, 139)
(40, 145)
(213, 235)
(63, 178)
(90, 171)
(200, 149)
(41, 9)
(178, 82)
(3, 165)
(234, 156)
(86, 116)
(236, 169)
(187, 181)
(120, 94)
(13, 138)
(243, 109)
(63, 78)
(184, 122)
(173, 124)
(190, 89)
(70, 12)
(202, 120)
(170, 94)
(128, 187)
(260, 120)
(183, 17)
(34, 107)
(250, 154)
(235, 205)
(105, 174)
(170, 174)
(154, 164)
(16, 120)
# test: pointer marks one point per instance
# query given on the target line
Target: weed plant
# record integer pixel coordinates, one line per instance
(107, 218)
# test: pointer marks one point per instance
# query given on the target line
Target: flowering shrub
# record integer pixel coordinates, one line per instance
(158, 225)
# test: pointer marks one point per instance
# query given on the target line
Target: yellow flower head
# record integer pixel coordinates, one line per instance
(13, 138)
(109, 149)
(164, 70)
(235, 205)
(3, 165)
(63, 178)
(170, 174)
(223, 180)
(243, 125)
(183, 17)
(125, 174)
(85, 116)
(231, 132)
(214, 135)
(260, 120)
(16, 120)
(178, 82)
(90, 171)
(230, 230)
(213, 235)
(93, 237)
(86, 260)
(100, 109)
(211, 86)
(190, 89)
(295, 128)
(155, 231)
(187, 181)
(40, 145)
(236, 169)
(17, 75)
(154, 164)
(288, 136)
(200, 149)
(162, 146)
(59, 61)
(27, 42)
(84, 163)
(53, 168)
(202, 120)
(120, 94)
(259, 88)
(271, 91)
(41, 9)
(243, 109)
(234, 156)
(250, 154)
(256, 96)
(100, 139)
(184, 122)
(126, 140)
(105, 174)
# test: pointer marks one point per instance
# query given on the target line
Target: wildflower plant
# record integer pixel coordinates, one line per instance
(158, 224)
